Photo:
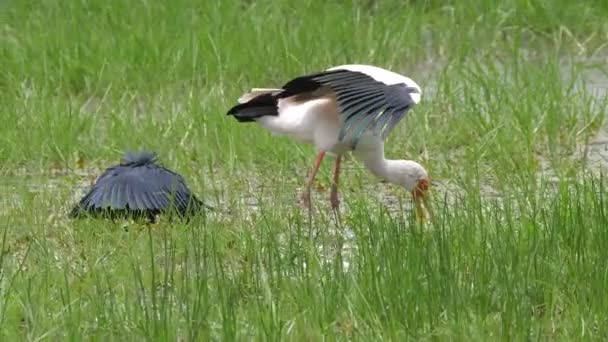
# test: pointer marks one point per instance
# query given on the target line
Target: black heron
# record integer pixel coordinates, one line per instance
(140, 188)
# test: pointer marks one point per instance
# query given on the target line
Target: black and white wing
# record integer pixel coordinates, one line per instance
(369, 99)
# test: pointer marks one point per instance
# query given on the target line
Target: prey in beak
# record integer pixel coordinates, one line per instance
(422, 200)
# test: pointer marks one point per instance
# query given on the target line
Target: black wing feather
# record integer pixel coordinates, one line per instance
(363, 105)
(134, 203)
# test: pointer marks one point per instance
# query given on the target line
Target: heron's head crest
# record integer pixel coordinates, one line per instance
(140, 158)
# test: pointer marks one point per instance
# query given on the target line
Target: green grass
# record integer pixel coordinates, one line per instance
(519, 247)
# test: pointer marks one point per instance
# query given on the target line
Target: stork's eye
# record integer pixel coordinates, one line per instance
(423, 184)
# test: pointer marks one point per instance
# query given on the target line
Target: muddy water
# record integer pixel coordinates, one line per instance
(595, 152)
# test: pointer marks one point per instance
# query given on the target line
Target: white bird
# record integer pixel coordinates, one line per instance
(345, 108)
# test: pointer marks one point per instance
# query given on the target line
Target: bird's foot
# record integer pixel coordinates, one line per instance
(335, 204)
(333, 198)
(305, 198)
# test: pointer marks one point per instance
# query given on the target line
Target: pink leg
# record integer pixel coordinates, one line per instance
(333, 197)
(311, 178)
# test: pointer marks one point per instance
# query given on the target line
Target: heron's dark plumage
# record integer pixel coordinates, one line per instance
(138, 187)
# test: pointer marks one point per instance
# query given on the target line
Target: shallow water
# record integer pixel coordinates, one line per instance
(595, 153)
(17, 190)
(593, 81)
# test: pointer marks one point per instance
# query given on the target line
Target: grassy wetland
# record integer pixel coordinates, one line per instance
(512, 128)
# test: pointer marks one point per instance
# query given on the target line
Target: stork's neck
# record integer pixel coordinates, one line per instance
(373, 158)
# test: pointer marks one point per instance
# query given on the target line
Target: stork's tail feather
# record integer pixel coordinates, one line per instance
(261, 105)
(257, 92)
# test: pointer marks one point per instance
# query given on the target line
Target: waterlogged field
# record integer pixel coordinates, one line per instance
(512, 129)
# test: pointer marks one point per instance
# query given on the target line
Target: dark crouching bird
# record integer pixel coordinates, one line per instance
(345, 108)
(139, 188)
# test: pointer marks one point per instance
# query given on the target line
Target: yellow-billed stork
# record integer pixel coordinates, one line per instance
(345, 108)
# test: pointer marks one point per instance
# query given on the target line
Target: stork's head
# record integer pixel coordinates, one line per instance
(415, 179)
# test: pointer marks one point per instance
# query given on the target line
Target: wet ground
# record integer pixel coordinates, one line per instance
(73, 184)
